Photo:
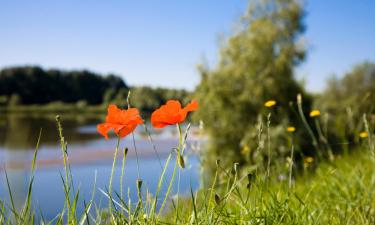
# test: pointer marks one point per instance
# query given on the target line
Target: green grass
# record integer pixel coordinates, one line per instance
(341, 191)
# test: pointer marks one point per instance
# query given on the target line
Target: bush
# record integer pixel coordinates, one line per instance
(346, 100)
(256, 65)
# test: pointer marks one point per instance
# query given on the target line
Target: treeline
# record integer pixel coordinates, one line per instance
(32, 85)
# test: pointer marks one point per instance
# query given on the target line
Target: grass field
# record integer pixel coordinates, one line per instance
(341, 191)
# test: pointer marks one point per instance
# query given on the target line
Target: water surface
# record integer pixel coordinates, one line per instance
(90, 156)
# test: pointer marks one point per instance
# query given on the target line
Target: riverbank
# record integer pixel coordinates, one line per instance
(338, 192)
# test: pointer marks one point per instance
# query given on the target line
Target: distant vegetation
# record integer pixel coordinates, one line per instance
(266, 135)
(33, 85)
(256, 65)
(31, 88)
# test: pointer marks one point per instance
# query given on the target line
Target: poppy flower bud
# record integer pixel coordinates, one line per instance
(235, 165)
(217, 199)
(139, 184)
(250, 177)
(181, 161)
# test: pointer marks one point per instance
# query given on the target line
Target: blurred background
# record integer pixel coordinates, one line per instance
(74, 58)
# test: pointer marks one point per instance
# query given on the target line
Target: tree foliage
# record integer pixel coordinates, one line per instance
(148, 99)
(347, 99)
(356, 90)
(256, 65)
(33, 85)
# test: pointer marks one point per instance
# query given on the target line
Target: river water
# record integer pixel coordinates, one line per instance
(91, 158)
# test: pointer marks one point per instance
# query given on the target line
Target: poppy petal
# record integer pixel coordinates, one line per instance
(103, 129)
(172, 106)
(158, 119)
(192, 106)
(113, 114)
(132, 116)
(127, 130)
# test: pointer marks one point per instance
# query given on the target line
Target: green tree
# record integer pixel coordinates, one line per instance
(346, 100)
(37, 86)
(256, 65)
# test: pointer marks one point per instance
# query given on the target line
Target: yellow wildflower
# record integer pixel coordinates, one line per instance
(270, 103)
(315, 113)
(363, 134)
(308, 159)
(245, 150)
(291, 129)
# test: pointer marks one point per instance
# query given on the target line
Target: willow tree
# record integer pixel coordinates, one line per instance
(256, 64)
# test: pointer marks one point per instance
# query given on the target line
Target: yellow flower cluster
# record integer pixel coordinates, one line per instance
(270, 103)
(363, 134)
(315, 113)
(291, 129)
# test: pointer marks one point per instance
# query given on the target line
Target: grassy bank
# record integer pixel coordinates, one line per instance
(337, 192)
(341, 192)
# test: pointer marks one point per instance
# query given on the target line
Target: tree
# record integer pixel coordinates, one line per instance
(348, 99)
(37, 86)
(256, 65)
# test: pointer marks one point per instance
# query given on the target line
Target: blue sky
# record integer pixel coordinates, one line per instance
(159, 43)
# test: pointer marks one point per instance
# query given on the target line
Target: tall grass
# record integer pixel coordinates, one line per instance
(339, 192)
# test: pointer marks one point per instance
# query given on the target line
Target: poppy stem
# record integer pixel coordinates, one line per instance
(136, 156)
(125, 153)
(112, 172)
(180, 158)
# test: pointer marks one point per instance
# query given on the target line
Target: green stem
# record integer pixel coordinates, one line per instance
(122, 170)
(324, 140)
(169, 188)
(178, 157)
(367, 128)
(291, 165)
(178, 193)
(112, 172)
(136, 156)
(268, 145)
(64, 152)
(309, 130)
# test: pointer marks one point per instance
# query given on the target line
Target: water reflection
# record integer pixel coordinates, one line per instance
(90, 156)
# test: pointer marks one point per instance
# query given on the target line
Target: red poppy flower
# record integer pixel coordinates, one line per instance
(171, 113)
(122, 122)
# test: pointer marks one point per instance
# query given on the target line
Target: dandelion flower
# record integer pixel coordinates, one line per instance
(314, 113)
(122, 122)
(291, 129)
(363, 134)
(308, 159)
(270, 103)
(171, 113)
(245, 150)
